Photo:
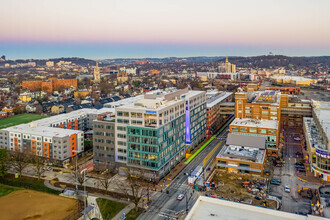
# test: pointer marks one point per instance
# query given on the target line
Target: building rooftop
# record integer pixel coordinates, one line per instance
(267, 96)
(212, 208)
(41, 130)
(259, 123)
(322, 112)
(246, 141)
(217, 98)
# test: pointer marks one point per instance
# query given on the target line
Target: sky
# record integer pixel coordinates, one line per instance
(100, 29)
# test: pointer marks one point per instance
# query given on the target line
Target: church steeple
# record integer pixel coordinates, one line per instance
(97, 77)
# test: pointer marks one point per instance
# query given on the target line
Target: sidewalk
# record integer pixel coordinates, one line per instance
(176, 170)
(47, 183)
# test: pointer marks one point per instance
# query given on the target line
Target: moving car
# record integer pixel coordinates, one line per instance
(180, 197)
(287, 189)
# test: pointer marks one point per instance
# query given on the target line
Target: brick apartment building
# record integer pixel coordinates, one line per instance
(51, 85)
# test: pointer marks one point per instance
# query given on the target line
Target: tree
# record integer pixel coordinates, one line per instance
(19, 161)
(19, 109)
(134, 186)
(4, 157)
(105, 179)
(38, 165)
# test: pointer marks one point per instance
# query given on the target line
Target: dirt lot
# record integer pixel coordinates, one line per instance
(229, 186)
(28, 204)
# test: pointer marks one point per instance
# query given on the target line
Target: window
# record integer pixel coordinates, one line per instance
(273, 108)
(121, 136)
(271, 131)
(109, 127)
(265, 112)
(262, 131)
(121, 128)
(264, 108)
(242, 129)
(247, 111)
(124, 114)
(253, 130)
(234, 128)
(123, 121)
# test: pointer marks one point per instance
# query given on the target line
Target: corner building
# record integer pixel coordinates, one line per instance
(154, 133)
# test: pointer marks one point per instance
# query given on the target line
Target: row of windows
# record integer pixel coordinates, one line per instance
(253, 130)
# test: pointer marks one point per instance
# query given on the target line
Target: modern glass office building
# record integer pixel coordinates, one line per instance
(155, 132)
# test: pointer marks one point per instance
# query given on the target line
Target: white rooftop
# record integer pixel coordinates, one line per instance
(217, 99)
(258, 123)
(42, 130)
(123, 101)
(212, 209)
(71, 115)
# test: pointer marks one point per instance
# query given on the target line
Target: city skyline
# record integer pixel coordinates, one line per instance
(102, 29)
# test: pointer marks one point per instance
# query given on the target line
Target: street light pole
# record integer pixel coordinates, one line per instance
(85, 197)
(76, 169)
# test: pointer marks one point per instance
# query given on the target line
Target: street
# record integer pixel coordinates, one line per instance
(166, 205)
(288, 175)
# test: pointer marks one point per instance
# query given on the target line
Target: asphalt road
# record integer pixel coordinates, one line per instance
(288, 175)
(165, 206)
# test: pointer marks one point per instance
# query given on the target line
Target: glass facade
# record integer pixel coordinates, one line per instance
(152, 148)
(197, 122)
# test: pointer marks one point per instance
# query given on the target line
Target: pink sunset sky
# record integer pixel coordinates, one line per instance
(291, 26)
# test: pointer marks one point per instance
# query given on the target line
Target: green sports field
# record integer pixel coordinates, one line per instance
(19, 119)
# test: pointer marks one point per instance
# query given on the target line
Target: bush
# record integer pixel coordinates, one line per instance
(28, 183)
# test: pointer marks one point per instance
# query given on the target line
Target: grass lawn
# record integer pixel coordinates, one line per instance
(27, 183)
(109, 208)
(19, 119)
(132, 215)
(5, 190)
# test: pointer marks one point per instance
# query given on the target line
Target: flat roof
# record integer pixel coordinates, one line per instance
(258, 123)
(42, 130)
(237, 152)
(323, 115)
(246, 141)
(217, 99)
(207, 208)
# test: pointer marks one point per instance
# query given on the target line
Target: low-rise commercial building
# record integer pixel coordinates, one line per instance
(317, 135)
(244, 154)
(267, 129)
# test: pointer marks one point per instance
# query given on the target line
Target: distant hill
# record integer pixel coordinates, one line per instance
(281, 61)
(200, 59)
(76, 60)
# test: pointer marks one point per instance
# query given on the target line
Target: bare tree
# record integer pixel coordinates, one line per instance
(19, 161)
(104, 180)
(135, 186)
(38, 165)
(79, 178)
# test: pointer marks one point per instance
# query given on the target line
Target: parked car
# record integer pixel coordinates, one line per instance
(297, 139)
(287, 189)
(180, 197)
(47, 168)
(274, 182)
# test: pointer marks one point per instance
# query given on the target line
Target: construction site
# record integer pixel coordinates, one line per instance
(244, 188)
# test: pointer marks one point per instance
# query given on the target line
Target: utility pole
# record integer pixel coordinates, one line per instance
(85, 197)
